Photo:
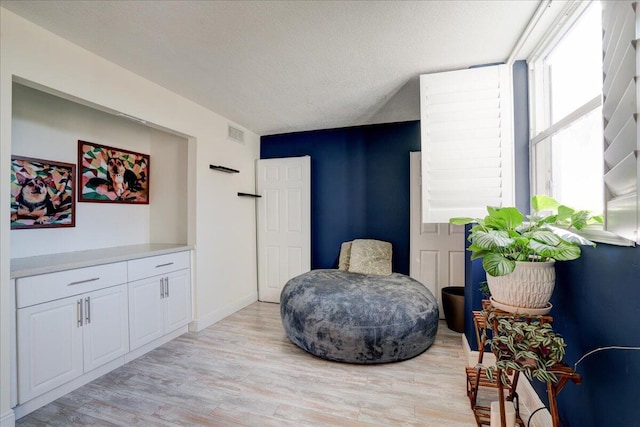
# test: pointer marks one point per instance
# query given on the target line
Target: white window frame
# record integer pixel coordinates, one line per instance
(539, 107)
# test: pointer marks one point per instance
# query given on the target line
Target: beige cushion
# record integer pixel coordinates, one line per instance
(345, 254)
(370, 256)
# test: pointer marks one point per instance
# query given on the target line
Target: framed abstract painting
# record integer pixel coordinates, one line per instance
(112, 175)
(42, 193)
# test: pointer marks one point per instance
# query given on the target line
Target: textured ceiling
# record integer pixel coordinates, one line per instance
(285, 66)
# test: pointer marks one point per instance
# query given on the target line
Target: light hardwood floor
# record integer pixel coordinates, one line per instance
(244, 371)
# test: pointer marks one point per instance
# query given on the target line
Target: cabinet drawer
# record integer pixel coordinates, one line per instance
(156, 265)
(48, 287)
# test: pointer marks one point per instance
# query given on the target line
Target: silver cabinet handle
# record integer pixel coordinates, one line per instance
(166, 283)
(87, 304)
(79, 312)
(164, 265)
(80, 282)
(161, 287)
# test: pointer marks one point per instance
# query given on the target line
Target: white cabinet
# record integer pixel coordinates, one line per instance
(49, 346)
(177, 302)
(160, 302)
(75, 324)
(60, 340)
(106, 328)
(145, 311)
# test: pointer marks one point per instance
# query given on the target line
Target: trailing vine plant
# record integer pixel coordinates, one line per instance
(529, 347)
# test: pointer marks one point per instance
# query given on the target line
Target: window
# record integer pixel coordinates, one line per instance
(583, 115)
(566, 143)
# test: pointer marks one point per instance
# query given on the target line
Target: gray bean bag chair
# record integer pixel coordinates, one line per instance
(359, 318)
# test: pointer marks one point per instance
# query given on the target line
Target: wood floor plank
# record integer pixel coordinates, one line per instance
(244, 371)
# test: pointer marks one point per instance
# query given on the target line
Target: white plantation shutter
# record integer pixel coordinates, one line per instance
(467, 142)
(620, 26)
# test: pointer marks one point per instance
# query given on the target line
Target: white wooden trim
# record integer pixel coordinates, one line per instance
(569, 15)
(531, 27)
(8, 419)
(568, 120)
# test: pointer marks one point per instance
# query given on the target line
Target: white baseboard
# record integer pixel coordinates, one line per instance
(8, 419)
(215, 316)
(529, 399)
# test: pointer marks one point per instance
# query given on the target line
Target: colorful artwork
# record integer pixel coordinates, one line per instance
(112, 175)
(42, 193)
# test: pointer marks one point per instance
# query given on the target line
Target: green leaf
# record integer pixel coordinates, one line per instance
(579, 219)
(570, 236)
(544, 219)
(497, 265)
(490, 373)
(478, 253)
(510, 217)
(520, 239)
(545, 236)
(564, 213)
(476, 228)
(461, 221)
(597, 219)
(493, 239)
(542, 202)
(562, 252)
(528, 354)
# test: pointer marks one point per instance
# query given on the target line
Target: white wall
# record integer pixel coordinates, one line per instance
(169, 188)
(220, 224)
(48, 127)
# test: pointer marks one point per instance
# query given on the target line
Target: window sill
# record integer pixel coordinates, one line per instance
(598, 235)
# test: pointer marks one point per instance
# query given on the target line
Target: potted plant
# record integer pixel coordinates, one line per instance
(518, 252)
(529, 347)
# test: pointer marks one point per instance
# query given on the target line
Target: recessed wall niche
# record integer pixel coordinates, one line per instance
(46, 126)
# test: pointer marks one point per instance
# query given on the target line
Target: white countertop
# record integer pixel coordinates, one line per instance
(43, 264)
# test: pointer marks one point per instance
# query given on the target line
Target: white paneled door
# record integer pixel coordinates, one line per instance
(436, 250)
(284, 223)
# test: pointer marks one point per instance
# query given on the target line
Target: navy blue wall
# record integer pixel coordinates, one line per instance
(596, 303)
(359, 185)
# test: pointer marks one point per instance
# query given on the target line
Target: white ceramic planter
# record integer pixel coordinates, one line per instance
(530, 285)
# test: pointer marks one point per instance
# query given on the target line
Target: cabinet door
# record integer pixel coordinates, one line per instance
(106, 330)
(145, 311)
(49, 346)
(178, 300)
